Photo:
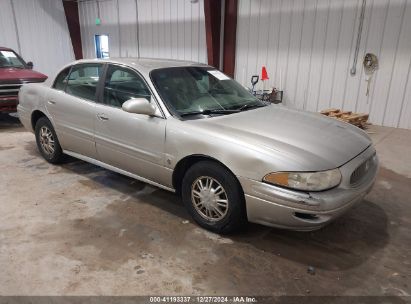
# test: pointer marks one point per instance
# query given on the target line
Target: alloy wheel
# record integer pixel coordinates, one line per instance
(209, 198)
(47, 140)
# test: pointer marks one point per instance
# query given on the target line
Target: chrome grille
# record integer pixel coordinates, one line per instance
(9, 89)
(361, 171)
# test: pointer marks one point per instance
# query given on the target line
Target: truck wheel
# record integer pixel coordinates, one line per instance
(214, 198)
(47, 141)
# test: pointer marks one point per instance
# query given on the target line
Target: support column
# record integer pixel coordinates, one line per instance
(212, 13)
(73, 24)
(230, 36)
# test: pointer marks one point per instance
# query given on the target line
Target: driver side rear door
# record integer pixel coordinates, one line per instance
(71, 104)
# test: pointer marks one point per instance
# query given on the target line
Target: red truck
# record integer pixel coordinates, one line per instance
(14, 72)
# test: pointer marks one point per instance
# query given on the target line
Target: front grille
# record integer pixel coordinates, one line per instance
(361, 171)
(9, 89)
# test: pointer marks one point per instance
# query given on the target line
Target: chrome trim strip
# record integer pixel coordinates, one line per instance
(11, 85)
(9, 90)
(115, 169)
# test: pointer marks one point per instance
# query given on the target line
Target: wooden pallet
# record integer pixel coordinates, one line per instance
(356, 119)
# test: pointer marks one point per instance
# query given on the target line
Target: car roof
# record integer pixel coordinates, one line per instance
(2, 48)
(144, 64)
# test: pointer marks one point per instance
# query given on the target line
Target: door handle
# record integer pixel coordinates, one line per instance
(51, 102)
(102, 117)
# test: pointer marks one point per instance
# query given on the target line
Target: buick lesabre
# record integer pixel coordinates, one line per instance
(189, 128)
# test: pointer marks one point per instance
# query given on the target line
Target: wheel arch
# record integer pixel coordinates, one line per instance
(187, 162)
(35, 116)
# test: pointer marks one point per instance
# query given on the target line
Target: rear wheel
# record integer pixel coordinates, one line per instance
(47, 141)
(214, 198)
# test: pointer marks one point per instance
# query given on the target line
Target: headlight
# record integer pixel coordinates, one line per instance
(307, 181)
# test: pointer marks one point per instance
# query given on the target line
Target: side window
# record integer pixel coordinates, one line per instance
(83, 80)
(61, 79)
(123, 84)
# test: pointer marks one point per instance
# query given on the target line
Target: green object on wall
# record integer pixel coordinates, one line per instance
(98, 21)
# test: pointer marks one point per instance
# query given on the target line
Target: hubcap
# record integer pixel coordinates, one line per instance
(209, 198)
(46, 140)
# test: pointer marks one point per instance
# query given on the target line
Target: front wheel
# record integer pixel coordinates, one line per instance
(214, 198)
(47, 141)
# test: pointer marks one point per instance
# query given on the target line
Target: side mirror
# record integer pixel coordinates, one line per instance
(30, 65)
(139, 106)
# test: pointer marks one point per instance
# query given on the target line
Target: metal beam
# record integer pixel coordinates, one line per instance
(230, 36)
(73, 24)
(212, 14)
(221, 28)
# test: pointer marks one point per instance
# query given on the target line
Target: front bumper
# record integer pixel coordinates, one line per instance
(297, 210)
(8, 104)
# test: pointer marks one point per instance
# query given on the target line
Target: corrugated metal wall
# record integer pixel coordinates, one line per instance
(311, 44)
(38, 31)
(166, 28)
(8, 37)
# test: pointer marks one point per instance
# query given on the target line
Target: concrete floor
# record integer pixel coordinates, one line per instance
(77, 229)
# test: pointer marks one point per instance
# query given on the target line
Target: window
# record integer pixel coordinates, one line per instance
(193, 89)
(61, 79)
(83, 81)
(123, 84)
(9, 59)
(101, 45)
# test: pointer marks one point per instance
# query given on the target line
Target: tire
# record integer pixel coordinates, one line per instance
(45, 134)
(202, 204)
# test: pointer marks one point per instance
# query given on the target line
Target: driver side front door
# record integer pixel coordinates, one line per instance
(131, 142)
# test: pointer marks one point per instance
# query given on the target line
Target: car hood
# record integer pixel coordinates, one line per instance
(308, 141)
(13, 75)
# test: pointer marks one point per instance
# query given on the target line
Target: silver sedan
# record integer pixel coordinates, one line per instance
(190, 129)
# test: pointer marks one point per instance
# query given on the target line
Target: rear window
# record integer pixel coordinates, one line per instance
(83, 81)
(61, 80)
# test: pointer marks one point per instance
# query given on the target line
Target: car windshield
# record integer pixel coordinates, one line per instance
(9, 59)
(202, 90)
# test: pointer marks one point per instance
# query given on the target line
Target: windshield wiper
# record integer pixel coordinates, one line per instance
(249, 106)
(208, 112)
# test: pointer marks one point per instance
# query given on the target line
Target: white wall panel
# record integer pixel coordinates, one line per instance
(312, 43)
(356, 85)
(8, 36)
(405, 121)
(330, 53)
(295, 45)
(164, 28)
(304, 55)
(42, 33)
(400, 71)
(108, 12)
(128, 29)
(390, 42)
(343, 59)
(87, 14)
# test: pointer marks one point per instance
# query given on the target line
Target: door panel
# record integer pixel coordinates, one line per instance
(74, 122)
(71, 104)
(132, 142)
